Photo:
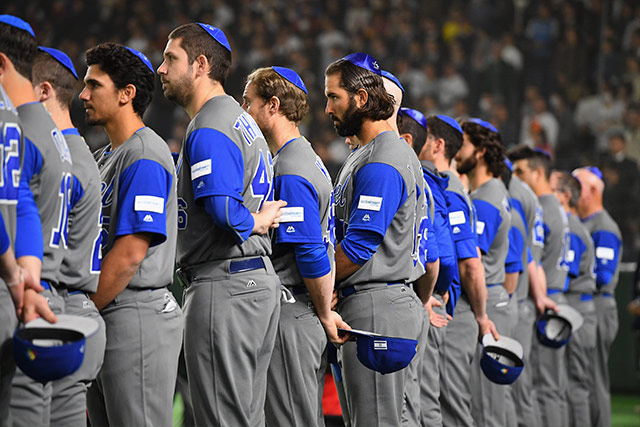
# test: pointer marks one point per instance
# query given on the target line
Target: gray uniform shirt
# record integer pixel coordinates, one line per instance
(393, 260)
(585, 282)
(139, 196)
(13, 141)
(80, 267)
(492, 227)
(296, 165)
(51, 186)
(220, 122)
(556, 242)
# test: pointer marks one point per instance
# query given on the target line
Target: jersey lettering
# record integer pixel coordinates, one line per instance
(248, 128)
(60, 232)
(10, 163)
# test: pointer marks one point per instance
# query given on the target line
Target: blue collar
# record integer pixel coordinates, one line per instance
(71, 131)
(285, 144)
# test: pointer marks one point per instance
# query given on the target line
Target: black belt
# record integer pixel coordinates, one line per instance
(297, 289)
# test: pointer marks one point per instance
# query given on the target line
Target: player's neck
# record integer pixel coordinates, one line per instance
(478, 176)
(370, 129)
(205, 90)
(542, 188)
(283, 132)
(19, 89)
(123, 128)
(591, 209)
(60, 116)
(440, 163)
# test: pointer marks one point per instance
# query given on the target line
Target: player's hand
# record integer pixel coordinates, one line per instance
(31, 283)
(16, 289)
(331, 325)
(268, 217)
(35, 305)
(486, 326)
(544, 302)
(334, 300)
(435, 319)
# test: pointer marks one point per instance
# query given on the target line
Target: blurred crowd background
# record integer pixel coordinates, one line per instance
(561, 75)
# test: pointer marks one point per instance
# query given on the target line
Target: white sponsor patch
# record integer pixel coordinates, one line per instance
(200, 169)
(292, 214)
(379, 345)
(571, 255)
(605, 253)
(479, 227)
(149, 204)
(456, 218)
(370, 203)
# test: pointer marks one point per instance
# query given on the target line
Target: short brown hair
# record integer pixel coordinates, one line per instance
(379, 105)
(196, 41)
(268, 83)
(48, 69)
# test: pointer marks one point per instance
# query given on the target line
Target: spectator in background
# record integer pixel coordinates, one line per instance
(541, 34)
(570, 64)
(632, 131)
(540, 119)
(451, 87)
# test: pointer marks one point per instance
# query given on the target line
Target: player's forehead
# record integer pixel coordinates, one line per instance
(96, 74)
(521, 165)
(174, 48)
(332, 84)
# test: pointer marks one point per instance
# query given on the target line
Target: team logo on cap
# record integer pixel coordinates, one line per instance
(375, 65)
(31, 354)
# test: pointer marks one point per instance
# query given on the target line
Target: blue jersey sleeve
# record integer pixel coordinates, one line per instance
(300, 222)
(576, 249)
(455, 290)
(29, 240)
(312, 260)
(489, 221)
(608, 247)
(231, 215)
(143, 190)
(447, 273)
(462, 227)
(513, 262)
(529, 255)
(433, 253)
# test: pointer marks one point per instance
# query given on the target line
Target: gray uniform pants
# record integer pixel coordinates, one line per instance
(31, 400)
(8, 324)
(295, 373)
(455, 369)
(373, 399)
(522, 391)
(69, 398)
(579, 355)
(430, 376)
(550, 379)
(231, 321)
(607, 328)
(136, 383)
(511, 417)
(488, 404)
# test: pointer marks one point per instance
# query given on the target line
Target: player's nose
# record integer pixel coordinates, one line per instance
(84, 95)
(162, 69)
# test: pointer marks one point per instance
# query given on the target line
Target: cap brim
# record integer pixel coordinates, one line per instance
(85, 325)
(360, 332)
(572, 315)
(504, 342)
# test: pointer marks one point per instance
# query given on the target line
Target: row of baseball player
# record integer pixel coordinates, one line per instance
(256, 320)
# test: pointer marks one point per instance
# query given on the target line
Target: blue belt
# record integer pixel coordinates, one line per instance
(554, 291)
(493, 285)
(246, 265)
(607, 294)
(75, 292)
(298, 289)
(45, 285)
(350, 290)
(586, 297)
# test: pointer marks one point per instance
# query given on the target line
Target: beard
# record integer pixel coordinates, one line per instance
(351, 122)
(93, 121)
(179, 90)
(467, 165)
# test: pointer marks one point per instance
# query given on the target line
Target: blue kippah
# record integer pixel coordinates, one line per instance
(508, 163)
(18, 23)
(542, 151)
(451, 122)
(594, 170)
(392, 78)
(365, 61)
(484, 124)
(62, 58)
(415, 115)
(291, 76)
(142, 57)
(217, 34)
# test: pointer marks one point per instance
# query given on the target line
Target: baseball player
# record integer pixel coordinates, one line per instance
(549, 373)
(376, 208)
(55, 80)
(582, 285)
(481, 159)
(139, 216)
(225, 189)
(18, 288)
(608, 247)
(303, 253)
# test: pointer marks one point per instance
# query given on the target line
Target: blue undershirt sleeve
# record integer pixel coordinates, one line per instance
(29, 240)
(231, 215)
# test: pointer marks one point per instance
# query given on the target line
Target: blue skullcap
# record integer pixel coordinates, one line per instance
(542, 151)
(392, 78)
(451, 122)
(62, 58)
(365, 61)
(415, 115)
(142, 57)
(594, 170)
(291, 76)
(18, 23)
(508, 163)
(484, 124)
(217, 34)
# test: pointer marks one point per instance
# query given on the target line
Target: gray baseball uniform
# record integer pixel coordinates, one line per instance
(492, 227)
(47, 170)
(607, 241)
(78, 277)
(376, 191)
(293, 382)
(232, 300)
(548, 364)
(582, 346)
(143, 323)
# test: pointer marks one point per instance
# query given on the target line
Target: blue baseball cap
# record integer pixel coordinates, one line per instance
(291, 76)
(365, 61)
(383, 354)
(62, 58)
(502, 360)
(217, 34)
(142, 57)
(554, 329)
(451, 122)
(392, 78)
(50, 351)
(18, 23)
(485, 124)
(415, 115)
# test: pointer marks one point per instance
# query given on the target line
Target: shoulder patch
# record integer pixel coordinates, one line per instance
(370, 203)
(149, 204)
(201, 169)
(292, 214)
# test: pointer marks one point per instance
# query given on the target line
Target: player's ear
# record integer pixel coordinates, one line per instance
(407, 137)
(202, 65)
(361, 97)
(4, 61)
(127, 94)
(274, 104)
(43, 91)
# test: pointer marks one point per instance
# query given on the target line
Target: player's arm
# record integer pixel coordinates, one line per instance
(513, 262)
(607, 248)
(425, 284)
(378, 193)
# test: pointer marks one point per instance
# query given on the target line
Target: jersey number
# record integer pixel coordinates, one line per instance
(9, 162)
(261, 183)
(96, 253)
(60, 232)
(182, 214)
